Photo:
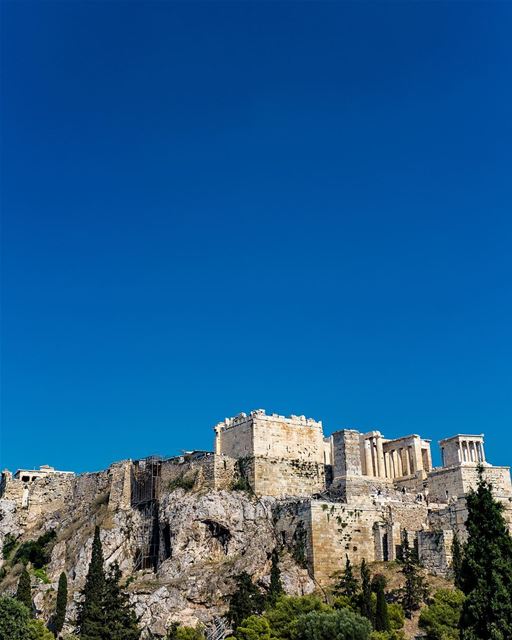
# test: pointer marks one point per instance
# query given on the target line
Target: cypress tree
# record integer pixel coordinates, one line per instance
(366, 592)
(276, 586)
(24, 590)
(347, 585)
(456, 560)
(246, 601)
(121, 621)
(486, 571)
(381, 611)
(91, 615)
(414, 590)
(62, 602)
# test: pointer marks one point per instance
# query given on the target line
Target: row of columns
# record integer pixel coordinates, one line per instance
(397, 462)
(401, 462)
(470, 451)
(374, 457)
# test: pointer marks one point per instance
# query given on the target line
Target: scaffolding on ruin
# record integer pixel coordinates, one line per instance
(145, 491)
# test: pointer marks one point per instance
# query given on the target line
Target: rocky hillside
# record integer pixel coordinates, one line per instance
(204, 538)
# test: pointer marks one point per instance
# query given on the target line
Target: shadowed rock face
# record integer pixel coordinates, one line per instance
(206, 538)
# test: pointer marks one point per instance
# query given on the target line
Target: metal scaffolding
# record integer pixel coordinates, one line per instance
(145, 487)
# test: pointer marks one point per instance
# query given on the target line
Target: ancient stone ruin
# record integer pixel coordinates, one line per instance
(195, 520)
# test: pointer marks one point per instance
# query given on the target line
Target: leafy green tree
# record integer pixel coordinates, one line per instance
(246, 601)
(387, 635)
(415, 589)
(38, 631)
(486, 571)
(14, 619)
(381, 610)
(179, 632)
(24, 590)
(342, 624)
(62, 603)
(457, 556)
(365, 603)
(91, 615)
(254, 628)
(288, 610)
(276, 586)
(347, 584)
(440, 619)
(37, 552)
(120, 618)
(396, 616)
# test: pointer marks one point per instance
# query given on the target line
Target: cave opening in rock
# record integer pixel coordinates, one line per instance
(218, 532)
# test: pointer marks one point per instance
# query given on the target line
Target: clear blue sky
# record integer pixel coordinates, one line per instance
(211, 208)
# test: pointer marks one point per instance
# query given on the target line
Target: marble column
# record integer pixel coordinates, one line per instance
(381, 471)
(399, 468)
(368, 457)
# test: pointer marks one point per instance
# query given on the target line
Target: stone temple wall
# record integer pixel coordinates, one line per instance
(282, 477)
(435, 551)
(338, 530)
(445, 484)
(259, 434)
(292, 524)
(209, 471)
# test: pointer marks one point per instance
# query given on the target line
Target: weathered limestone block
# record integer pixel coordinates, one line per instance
(346, 454)
(435, 550)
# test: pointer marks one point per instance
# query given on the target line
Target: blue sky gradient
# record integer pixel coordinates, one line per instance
(211, 208)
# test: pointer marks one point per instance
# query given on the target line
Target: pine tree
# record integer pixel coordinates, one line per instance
(486, 572)
(456, 560)
(276, 586)
(62, 603)
(381, 611)
(366, 592)
(121, 621)
(24, 591)
(347, 585)
(414, 590)
(246, 601)
(91, 616)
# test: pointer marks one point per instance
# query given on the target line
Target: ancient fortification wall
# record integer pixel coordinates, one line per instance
(351, 493)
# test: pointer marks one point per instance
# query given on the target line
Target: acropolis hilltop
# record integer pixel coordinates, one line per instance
(270, 480)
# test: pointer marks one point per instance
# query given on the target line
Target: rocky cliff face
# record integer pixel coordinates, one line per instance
(205, 539)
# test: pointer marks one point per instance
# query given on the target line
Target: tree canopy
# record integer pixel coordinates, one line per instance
(14, 619)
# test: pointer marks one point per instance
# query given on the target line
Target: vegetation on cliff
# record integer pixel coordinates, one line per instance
(486, 569)
(105, 612)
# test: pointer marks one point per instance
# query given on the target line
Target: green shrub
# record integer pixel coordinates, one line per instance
(41, 575)
(8, 546)
(396, 616)
(387, 635)
(284, 615)
(38, 631)
(254, 628)
(14, 619)
(242, 484)
(178, 632)
(333, 625)
(182, 482)
(35, 551)
(441, 619)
